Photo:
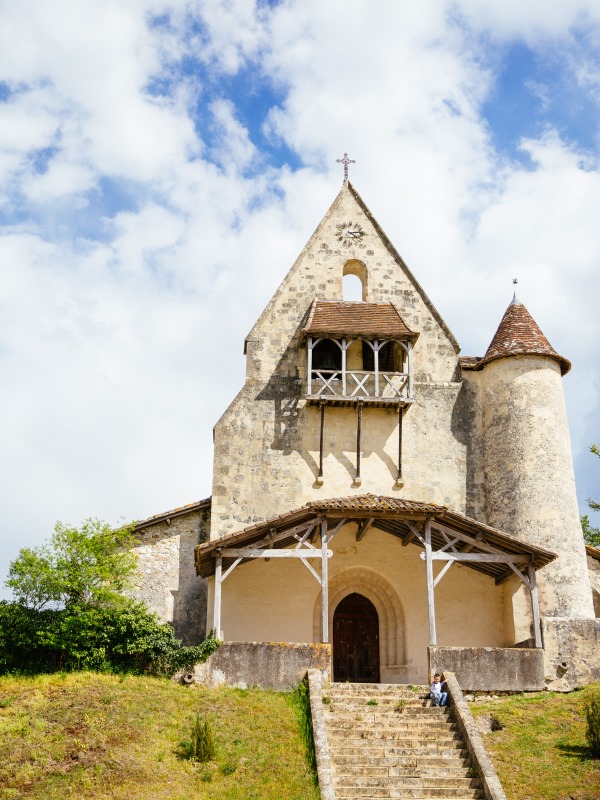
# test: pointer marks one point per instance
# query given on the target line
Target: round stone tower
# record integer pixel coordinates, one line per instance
(528, 467)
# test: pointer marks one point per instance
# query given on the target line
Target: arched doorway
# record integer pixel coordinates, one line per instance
(356, 640)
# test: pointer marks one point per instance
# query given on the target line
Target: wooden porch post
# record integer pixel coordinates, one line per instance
(217, 603)
(429, 571)
(321, 438)
(309, 355)
(535, 608)
(324, 585)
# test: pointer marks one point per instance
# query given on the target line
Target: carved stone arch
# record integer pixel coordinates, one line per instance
(377, 589)
(359, 269)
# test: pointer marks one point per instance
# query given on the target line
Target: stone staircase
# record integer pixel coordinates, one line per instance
(389, 741)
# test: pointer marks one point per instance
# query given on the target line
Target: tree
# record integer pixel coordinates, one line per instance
(89, 566)
(591, 534)
(71, 612)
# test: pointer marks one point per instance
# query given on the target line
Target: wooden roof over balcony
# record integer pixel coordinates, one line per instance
(392, 515)
(368, 320)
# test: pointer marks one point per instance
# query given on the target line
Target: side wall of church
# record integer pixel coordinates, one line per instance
(469, 606)
(267, 442)
(168, 583)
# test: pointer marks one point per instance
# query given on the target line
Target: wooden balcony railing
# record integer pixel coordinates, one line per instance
(327, 384)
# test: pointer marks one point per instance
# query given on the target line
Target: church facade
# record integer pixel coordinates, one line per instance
(375, 490)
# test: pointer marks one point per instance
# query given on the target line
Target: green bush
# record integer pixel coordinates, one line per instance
(123, 637)
(592, 714)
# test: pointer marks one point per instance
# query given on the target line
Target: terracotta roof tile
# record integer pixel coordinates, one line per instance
(519, 334)
(356, 319)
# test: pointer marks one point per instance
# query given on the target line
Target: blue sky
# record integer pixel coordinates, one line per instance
(163, 163)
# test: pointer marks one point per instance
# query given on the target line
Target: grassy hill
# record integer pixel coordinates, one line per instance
(540, 750)
(95, 736)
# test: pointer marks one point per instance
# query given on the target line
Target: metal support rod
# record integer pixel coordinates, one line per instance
(400, 419)
(358, 438)
(217, 603)
(324, 585)
(429, 572)
(322, 405)
(535, 609)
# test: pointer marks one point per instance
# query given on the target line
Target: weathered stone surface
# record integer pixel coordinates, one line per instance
(270, 665)
(167, 581)
(571, 653)
(491, 668)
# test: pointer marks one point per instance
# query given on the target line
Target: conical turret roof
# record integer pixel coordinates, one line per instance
(518, 334)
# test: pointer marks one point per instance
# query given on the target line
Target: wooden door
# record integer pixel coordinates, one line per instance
(356, 640)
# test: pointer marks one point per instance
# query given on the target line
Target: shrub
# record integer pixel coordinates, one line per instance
(201, 746)
(124, 637)
(592, 713)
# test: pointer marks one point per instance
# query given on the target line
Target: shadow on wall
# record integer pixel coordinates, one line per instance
(190, 600)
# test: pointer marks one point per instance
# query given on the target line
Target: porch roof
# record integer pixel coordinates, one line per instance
(396, 516)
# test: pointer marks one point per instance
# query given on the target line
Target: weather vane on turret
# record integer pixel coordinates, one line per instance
(345, 161)
(514, 300)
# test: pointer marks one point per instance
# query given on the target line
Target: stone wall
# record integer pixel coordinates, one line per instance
(594, 574)
(168, 583)
(489, 668)
(270, 665)
(571, 653)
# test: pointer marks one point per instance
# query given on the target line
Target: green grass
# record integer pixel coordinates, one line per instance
(95, 737)
(541, 752)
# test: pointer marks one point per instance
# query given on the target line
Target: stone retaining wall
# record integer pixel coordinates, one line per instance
(270, 665)
(499, 669)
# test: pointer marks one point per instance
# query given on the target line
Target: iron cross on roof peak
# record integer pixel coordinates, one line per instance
(345, 161)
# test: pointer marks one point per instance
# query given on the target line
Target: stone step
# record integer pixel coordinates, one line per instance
(409, 794)
(397, 738)
(389, 704)
(409, 770)
(385, 749)
(423, 762)
(375, 687)
(428, 775)
(406, 793)
(390, 720)
(409, 782)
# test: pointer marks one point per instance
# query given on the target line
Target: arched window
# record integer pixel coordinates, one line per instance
(353, 288)
(355, 280)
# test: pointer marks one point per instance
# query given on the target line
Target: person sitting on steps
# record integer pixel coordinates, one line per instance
(439, 698)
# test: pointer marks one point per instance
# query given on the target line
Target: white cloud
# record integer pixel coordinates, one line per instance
(117, 356)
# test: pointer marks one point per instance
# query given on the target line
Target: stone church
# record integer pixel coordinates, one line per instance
(379, 493)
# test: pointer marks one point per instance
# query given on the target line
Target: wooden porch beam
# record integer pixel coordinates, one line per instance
(363, 527)
(535, 607)
(217, 600)
(483, 558)
(465, 537)
(324, 584)
(249, 552)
